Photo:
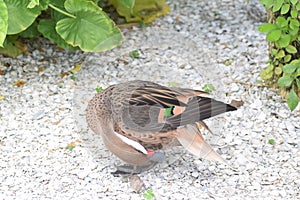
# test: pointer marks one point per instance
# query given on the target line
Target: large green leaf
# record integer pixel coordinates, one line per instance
(3, 22)
(56, 16)
(292, 100)
(19, 16)
(31, 31)
(47, 28)
(91, 29)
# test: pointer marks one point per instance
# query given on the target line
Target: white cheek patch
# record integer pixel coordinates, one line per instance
(132, 143)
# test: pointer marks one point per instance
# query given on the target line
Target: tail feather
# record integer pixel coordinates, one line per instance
(190, 137)
(198, 109)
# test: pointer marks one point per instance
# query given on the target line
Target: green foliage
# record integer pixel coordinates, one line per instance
(271, 141)
(148, 195)
(98, 89)
(208, 88)
(283, 35)
(74, 78)
(71, 24)
(141, 10)
(134, 54)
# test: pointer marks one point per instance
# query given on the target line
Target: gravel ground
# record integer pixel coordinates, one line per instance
(200, 42)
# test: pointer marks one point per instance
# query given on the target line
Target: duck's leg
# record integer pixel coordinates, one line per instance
(154, 159)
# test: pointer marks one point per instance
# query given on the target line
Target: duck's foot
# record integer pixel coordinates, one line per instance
(126, 169)
(130, 169)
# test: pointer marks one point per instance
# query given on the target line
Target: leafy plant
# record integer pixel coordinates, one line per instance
(282, 32)
(271, 141)
(98, 89)
(208, 88)
(71, 24)
(141, 10)
(148, 195)
(74, 78)
(134, 54)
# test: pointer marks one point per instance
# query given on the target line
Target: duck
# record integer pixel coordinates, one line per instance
(138, 119)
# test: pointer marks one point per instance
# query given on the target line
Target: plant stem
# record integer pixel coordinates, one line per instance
(61, 11)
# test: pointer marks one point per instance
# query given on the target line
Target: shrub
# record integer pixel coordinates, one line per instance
(282, 29)
(71, 24)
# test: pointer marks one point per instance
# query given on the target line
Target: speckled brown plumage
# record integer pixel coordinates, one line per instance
(153, 116)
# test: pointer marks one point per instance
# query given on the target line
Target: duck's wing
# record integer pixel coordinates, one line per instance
(157, 108)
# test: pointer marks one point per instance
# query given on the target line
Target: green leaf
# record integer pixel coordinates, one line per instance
(134, 54)
(19, 16)
(33, 3)
(148, 195)
(91, 29)
(285, 81)
(284, 40)
(293, 32)
(292, 100)
(56, 16)
(267, 73)
(267, 27)
(291, 49)
(268, 3)
(293, 1)
(294, 13)
(271, 141)
(280, 54)
(294, 24)
(208, 88)
(285, 8)
(274, 51)
(278, 70)
(30, 32)
(42, 3)
(99, 89)
(3, 22)
(295, 62)
(298, 84)
(289, 68)
(298, 6)
(287, 58)
(146, 11)
(74, 78)
(277, 5)
(11, 47)
(281, 22)
(298, 72)
(274, 35)
(47, 28)
(70, 147)
(127, 4)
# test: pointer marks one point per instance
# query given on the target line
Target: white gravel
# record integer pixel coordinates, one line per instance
(199, 42)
